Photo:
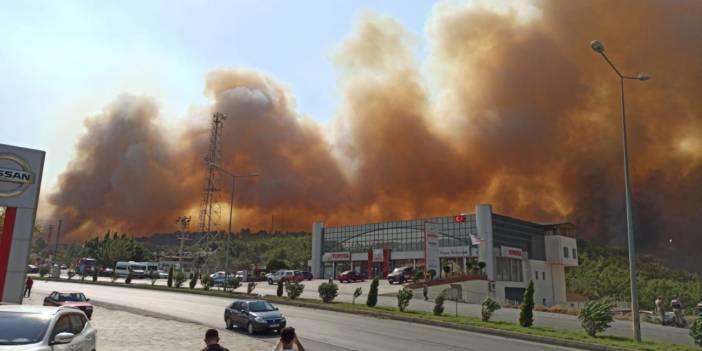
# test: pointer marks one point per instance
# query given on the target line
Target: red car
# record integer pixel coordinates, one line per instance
(70, 299)
(349, 276)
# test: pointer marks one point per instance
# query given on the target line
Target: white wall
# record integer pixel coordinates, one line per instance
(559, 285)
(554, 250)
(483, 223)
(543, 288)
(316, 267)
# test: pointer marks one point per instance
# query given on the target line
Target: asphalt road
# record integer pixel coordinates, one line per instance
(319, 330)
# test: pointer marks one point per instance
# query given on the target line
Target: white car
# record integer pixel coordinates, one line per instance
(43, 328)
(281, 275)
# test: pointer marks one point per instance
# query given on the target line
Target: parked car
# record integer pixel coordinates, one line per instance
(254, 315)
(283, 275)
(63, 266)
(32, 269)
(162, 274)
(218, 278)
(38, 328)
(106, 272)
(349, 276)
(70, 299)
(137, 269)
(401, 275)
(307, 275)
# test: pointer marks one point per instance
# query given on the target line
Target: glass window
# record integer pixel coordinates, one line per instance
(565, 251)
(77, 324)
(575, 255)
(537, 275)
(62, 326)
(22, 328)
(543, 275)
(509, 269)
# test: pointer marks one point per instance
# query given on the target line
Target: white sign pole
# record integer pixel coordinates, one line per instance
(431, 247)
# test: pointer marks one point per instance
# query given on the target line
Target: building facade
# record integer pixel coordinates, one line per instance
(514, 251)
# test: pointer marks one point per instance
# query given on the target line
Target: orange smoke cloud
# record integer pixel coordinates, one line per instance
(512, 108)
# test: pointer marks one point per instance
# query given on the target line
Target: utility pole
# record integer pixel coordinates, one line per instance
(48, 240)
(184, 222)
(58, 237)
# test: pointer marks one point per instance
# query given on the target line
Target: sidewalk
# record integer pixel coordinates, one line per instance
(118, 330)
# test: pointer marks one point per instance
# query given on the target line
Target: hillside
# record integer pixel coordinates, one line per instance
(604, 272)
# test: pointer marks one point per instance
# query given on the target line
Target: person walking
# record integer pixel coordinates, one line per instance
(28, 287)
(288, 341)
(659, 309)
(425, 291)
(212, 341)
(677, 309)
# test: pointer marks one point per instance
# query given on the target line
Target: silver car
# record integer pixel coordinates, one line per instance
(43, 328)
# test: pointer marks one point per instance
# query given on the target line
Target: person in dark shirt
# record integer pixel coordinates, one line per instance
(212, 341)
(28, 287)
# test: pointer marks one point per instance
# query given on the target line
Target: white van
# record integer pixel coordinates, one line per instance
(150, 268)
(138, 269)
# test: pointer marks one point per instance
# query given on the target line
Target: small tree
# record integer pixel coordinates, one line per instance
(526, 316)
(487, 308)
(170, 277)
(481, 266)
(95, 274)
(193, 280)
(328, 291)
(294, 289)
(43, 271)
(596, 316)
(206, 281)
(83, 274)
(279, 291)
(469, 265)
(418, 276)
(113, 278)
(373, 293)
(432, 273)
(179, 279)
(447, 269)
(71, 274)
(233, 284)
(404, 296)
(358, 292)
(128, 280)
(250, 287)
(696, 331)
(439, 304)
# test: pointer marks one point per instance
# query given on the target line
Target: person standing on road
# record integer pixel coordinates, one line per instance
(425, 291)
(677, 309)
(212, 341)
(288, 341)
(659, 309)
(28, 287)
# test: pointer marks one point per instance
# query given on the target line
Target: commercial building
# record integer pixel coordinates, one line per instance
(514, 251)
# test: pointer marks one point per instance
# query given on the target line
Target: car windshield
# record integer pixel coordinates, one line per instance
(398, 270)
(74, 297)
(260, 306)
(22, 328)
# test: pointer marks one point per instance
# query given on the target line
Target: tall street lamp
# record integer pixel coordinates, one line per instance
(231, 209)
(599, 48)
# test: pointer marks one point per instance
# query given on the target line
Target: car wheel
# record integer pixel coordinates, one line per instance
(270, 281)
(250, 329)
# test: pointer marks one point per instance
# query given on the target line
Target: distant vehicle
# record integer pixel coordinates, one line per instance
(32, 269)
(162, 274)
(149, 267)
(70, 299)
(218, 277)
(401, 275)
(85, 265)
(38, 328)
(307, 275)
(254, 315)
(63, 266)
(349, 276)
(242, 276)
(106, 272)
(283, 275)
(122, 269)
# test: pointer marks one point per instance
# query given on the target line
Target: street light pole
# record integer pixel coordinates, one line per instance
(599, 48)
(231, 210)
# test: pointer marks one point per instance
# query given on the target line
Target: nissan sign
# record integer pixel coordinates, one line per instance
(15, 175)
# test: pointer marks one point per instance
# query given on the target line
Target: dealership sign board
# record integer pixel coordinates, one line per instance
(431, 246)
(336, 256)
(20, 180)
(507, 251)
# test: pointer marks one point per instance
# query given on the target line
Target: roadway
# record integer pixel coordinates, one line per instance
(319, 330)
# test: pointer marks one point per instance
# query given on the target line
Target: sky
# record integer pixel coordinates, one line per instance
(63, 61)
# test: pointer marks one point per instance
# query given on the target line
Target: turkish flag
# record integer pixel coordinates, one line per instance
(459, 219)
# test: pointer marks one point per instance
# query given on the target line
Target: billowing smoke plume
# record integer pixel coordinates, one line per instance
(511, 107)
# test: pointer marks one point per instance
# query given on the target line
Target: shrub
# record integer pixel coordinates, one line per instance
(193, 280)
(432, 273)
(154, 277)
(179, 279)
(696, 331)
(43, 271)
(206, 281)
(356, 293)
(71, 274)
(95, 274)
(418, 275)
(113, 278)
(233, 284)
(170, 277)
(488, 307)
(596, 316)
(128, 280)
(404, 296)
(526, 316)
(250, 287)
(373, 293)
(439, 304)
(294, 289)
(481, 266)
(279, 291)
(82, 275)
(328, 292)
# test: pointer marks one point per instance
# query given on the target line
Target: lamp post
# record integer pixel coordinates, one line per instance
(599, 48)
(231, 209)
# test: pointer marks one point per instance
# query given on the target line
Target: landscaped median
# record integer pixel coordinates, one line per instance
(568, 338)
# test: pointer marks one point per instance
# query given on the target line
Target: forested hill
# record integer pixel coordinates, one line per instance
(604, 272)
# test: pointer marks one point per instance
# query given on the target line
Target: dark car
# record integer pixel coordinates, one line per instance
(32, 269)
(70, 299)
(106, 272)
(254, 315)
(401, 275)
(349, 276)
(307, 275)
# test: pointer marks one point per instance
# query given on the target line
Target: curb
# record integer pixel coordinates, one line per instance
(381, 315)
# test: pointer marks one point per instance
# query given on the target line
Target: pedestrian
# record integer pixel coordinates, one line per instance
(28, 287)
(677, 309)
(425, 291)
(288, 341)
(659, 309)
(212, 341)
